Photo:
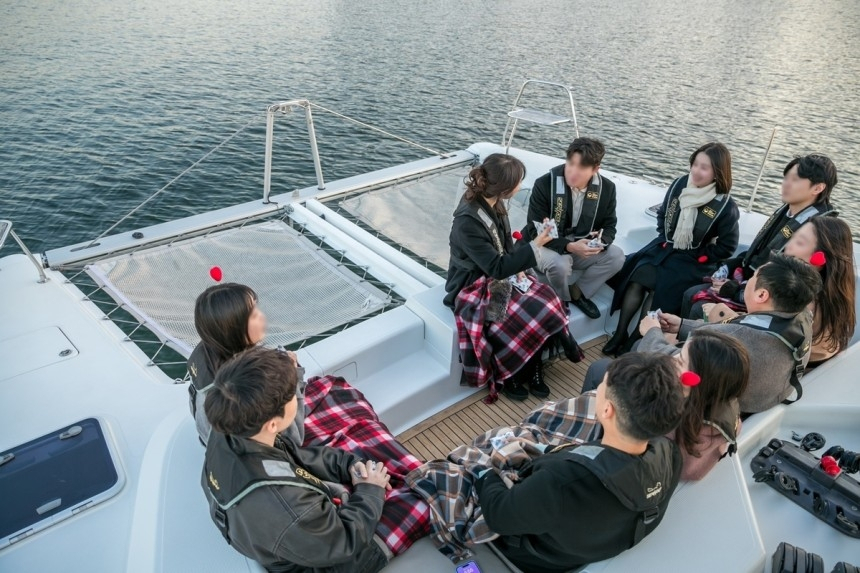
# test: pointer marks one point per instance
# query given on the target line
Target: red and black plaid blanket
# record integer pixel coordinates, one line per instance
(449, 486)
(494, 351)
(339, 416)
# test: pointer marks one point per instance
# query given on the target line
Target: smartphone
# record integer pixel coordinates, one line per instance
(470, 567)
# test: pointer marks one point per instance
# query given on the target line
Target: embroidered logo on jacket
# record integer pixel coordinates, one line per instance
(305, 474)
(592, 195)
(786, 232)
(214, 482)
(193, 367)
(652, 491)
(709, 212)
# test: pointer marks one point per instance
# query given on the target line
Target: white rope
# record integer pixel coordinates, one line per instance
(172, 181)
(374, 128)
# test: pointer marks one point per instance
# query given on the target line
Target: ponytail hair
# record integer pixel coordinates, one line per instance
(496, 177)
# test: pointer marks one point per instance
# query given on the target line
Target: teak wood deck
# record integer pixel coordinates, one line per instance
(458, 424)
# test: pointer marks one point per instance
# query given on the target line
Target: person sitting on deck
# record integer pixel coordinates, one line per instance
(806, 187)
(777, 331)
(502, 327)
(581, 504)
(269, 497)
(330, 412)
(697, 226)
(711, 422)
(581, 202)
(228, 321)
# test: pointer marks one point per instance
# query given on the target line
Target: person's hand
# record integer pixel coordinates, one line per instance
(581, 248)
(521, 276)
(670, 322)
(647, 324)
(719, 312)
(717, 284)
(543, 238)
(374, 473)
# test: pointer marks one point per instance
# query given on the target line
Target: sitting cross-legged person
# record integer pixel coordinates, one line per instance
(552, 505)
(709, 427)
(276, 502)
(806, 187)
(777, 331)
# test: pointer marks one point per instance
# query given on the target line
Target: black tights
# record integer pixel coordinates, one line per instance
(634, 296)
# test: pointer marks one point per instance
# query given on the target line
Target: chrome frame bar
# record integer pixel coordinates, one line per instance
(286, 107)
(512, 123)
(43, 278)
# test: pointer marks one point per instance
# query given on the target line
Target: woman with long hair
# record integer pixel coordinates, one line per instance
(697, 226)
(711, 420)
(502, 326)
(834, 308)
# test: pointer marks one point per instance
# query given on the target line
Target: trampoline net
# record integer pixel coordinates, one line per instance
(417, 214)
(303, 291)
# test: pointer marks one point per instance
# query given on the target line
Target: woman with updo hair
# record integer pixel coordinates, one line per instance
(504, 318)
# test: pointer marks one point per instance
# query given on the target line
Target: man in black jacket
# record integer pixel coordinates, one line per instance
(581, 504)
(274, 502)
(582, 204)
(807, 183)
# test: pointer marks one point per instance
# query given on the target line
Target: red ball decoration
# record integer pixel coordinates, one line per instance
(818, 259)
(830, 466)
(517, 235)
(216, 274)
(703, 259)
(690, 379)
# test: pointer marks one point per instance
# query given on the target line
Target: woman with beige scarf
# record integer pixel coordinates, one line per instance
(697, 227)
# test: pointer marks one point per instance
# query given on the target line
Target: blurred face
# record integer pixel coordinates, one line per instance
(576, 174)
(799, 191)
(256, 325)
(514, 191)
(802, 243)
(290, 409)
(702, 172)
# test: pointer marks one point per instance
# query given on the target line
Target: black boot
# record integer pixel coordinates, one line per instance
(616, 343)
(571, 348)
(514, 388)
(537, 385)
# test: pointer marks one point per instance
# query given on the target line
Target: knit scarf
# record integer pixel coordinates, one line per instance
(691, 199)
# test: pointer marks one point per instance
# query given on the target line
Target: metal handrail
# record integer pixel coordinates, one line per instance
(7, 229)
(286, 107)
(512, 122)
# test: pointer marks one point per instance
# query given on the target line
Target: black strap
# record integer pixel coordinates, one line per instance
(192, 391)
(220, 517)
(646, 518)
(795, 382)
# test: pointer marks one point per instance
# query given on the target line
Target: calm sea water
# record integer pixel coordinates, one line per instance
(102, 102)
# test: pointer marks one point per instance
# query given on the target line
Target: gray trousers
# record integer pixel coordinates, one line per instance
(596, 270)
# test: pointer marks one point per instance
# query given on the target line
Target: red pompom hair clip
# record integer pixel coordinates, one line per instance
(517, 235)
(818, 259)
(690, 379)
(216, 274)
(830, 466)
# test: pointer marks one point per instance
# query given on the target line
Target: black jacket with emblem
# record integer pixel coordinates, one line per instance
(715, 237)
(774, 234)
(272, 506)
(550, 199)
(473, 249)
(579, 505)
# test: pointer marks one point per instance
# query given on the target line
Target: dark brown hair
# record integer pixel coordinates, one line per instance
(792, 284)
(834, 305)
(496, 177)
(818, 169)
(221, 315)
(646, 393)
(721, 162)
(724, 367)
(249, 390)
(590, 151)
